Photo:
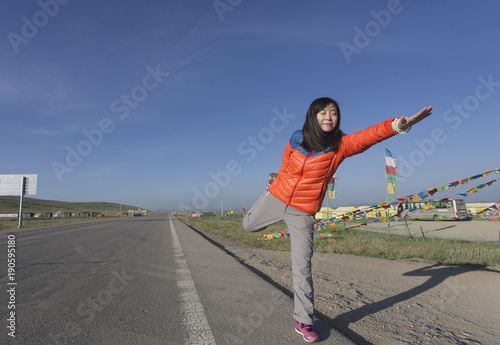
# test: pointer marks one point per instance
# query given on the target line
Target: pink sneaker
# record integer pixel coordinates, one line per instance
(307, 332)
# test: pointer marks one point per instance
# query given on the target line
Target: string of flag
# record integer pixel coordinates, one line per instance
(394, 202)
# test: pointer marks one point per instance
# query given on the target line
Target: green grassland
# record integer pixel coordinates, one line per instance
(11, 204)
(359, 242)
(39, 206)
(7, 224)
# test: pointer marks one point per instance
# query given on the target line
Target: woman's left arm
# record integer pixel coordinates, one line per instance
(362, 140)
(404, 124)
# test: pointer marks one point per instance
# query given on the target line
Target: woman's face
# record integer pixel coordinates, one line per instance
(327, 118)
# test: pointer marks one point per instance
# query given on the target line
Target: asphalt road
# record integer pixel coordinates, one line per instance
(142, 280)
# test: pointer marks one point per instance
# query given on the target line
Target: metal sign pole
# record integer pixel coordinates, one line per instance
(9, 185)
(23, 190)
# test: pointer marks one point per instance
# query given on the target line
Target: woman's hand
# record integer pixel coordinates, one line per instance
(407, 122)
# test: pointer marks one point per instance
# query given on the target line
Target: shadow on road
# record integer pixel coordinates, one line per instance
(444, 228)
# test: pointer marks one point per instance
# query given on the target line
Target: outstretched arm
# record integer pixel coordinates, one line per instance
(406, 122)
(360, 141)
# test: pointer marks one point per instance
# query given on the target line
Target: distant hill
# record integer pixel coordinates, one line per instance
(11, 204)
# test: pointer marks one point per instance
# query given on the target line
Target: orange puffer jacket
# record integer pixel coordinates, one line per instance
(303, 178)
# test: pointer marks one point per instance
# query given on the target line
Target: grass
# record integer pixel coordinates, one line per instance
(33, 205)
(11, 204)
(359, 242)
(7, 224)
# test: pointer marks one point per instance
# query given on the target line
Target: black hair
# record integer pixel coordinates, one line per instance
(314, 137)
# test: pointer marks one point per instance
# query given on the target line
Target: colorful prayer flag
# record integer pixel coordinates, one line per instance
(390, 171)
(423, 195)
(432, 191)
(444, 187)
(414, 198)
(331, 188)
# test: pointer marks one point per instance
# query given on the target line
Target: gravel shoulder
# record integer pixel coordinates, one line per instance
(474, 230)
(377, 301)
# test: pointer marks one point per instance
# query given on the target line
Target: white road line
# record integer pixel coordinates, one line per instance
(192, 312)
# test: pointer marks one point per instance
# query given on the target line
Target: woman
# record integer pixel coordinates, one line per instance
(311, 157)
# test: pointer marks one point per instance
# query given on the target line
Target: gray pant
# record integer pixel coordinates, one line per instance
(268, 210)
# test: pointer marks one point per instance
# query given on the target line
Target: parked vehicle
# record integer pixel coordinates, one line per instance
(435, 209)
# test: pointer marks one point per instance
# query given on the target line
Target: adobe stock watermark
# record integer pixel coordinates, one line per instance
(364, 36)
(122, 108)
(455, 115)
(260, 313)
(247, 149)
(88, 308)
(452, 289)
(30, 26)
(223, 6)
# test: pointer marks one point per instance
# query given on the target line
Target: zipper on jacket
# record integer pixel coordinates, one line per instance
(300, 178)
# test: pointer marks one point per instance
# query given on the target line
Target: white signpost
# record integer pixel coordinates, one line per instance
(18, 185)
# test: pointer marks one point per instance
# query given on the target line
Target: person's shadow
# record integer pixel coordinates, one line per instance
(437, 274)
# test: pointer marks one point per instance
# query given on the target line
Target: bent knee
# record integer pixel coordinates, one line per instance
(251, 227)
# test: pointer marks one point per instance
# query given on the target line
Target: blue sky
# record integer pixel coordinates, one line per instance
(163, 104)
